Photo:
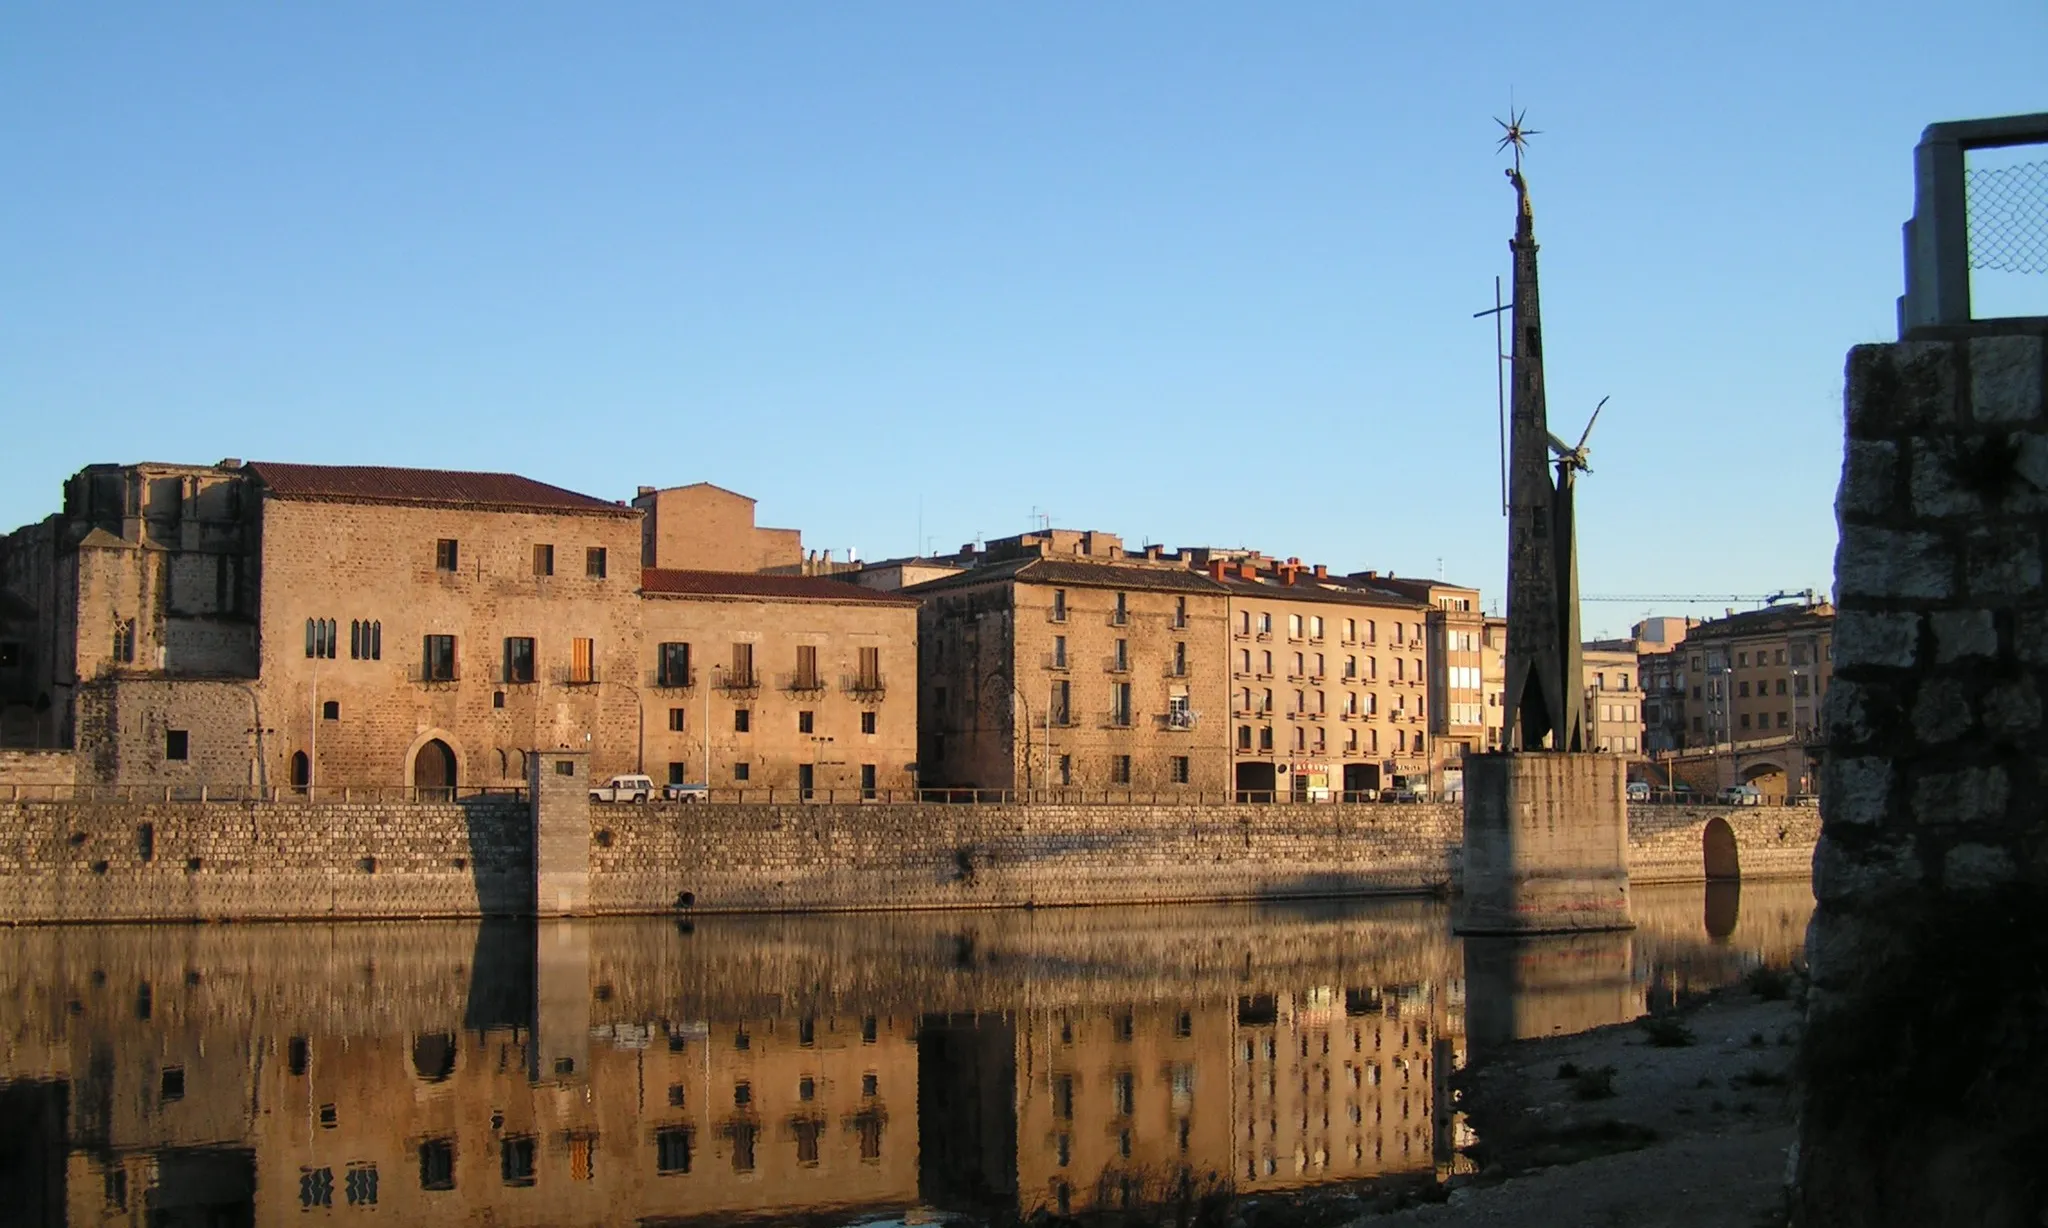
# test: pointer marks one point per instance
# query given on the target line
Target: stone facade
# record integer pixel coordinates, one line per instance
(1927, 947)
(702, 527)
(247, 628)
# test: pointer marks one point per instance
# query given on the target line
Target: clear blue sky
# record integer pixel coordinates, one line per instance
(1198, 273)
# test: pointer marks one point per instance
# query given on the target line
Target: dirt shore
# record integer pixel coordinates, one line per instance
(1683, 1122)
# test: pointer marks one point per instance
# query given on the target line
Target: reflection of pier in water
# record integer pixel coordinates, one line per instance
(576, 1073)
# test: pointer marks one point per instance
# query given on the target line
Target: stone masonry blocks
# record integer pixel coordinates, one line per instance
(1872, 562)
(2006, 379)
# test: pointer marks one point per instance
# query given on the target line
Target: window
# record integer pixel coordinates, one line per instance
(1350, 667)
(806, 668)
(580, 1148)
(1784, 720)
(1244, 660)
(870, 677)
(867, 781)
(515, 1160)
(1299, 668)
(330, 710)
(742, 720)
(739, 771)
(1122, 661)
(1781, 686)
(1745, 720)
(672, 1150)
(675, 720)
(869, 721)
(543, 560)
(437, 658)
(1122, 613)
(1742, 689)
(1180, 659)
(1265, 737)
(1244, 737)
(519, 659)
(1294, 626)
(446, 557)
(321, 638)
(742, 675)
(1266, 623)
(1315, 627)
(1178, 769)
(1059, 605)
(805, 722)
(1061, 713)
(177, 744)
(1180, 611)
(672, 665)
(870, 1085)
(582, 661)
(437, 1164)
(1120, 769)
(593, 562)
(365, 639)
(1120, 703)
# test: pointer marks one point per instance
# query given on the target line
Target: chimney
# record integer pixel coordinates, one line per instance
(1289, 573)
(1248, 571)
(1369, 575)
(1322, 572)
(1216, 568)
(643, 492)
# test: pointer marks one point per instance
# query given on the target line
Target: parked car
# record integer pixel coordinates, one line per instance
(1742, 795)
(686, 793)
(1403, 793)
(1802, 799)
(1639, 790)
(627, 788)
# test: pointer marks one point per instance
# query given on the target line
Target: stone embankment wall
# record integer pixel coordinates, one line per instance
(1666, 844)
(1926, 1053)
(120, 861)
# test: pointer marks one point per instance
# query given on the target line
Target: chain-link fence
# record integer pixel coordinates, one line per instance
(2008, 217)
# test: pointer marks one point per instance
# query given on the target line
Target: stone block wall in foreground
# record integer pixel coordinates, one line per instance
(1926, 1093)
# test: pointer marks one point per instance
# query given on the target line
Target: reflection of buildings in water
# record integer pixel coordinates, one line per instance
(1691, 938)
(1337, 1084)
(731, 1118)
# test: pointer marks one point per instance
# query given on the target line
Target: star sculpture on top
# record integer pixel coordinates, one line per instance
(1514, 135)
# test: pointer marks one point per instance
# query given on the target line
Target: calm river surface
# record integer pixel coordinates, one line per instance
(778, 1069)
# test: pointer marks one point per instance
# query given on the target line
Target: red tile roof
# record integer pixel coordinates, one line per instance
(383, 484)
(663, 581)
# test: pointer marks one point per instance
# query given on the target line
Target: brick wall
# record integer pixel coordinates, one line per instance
(1666, 843)
(37, 768)
(1926, 1096)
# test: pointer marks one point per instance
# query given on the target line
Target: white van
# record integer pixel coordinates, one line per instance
(624, 789)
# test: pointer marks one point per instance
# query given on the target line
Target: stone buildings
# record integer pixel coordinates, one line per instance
(1062, 664)
(1059, 660)
(1613, 697)
(246, 628)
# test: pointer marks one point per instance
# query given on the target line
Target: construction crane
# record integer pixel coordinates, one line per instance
(1767, 599)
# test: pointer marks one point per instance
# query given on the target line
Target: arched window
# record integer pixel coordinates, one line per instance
(302, 771)
(365, 639)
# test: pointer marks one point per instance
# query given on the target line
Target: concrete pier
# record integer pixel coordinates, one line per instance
(1546, 844)
(559, 783)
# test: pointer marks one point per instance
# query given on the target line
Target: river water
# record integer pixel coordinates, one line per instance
(887, 1067)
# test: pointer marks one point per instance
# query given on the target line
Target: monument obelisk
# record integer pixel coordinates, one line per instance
(1546, 824)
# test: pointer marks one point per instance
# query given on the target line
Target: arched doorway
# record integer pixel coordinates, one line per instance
(433, 771)
(1717, 843)
(302, 771)
(433, 1056)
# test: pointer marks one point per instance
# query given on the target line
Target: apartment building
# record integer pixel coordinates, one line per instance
(1329, 680)
(777, 685)
(1455, 628)
(278, 626)
(1759, 675)
(1661, 673)
(1612, 685)
(1061, 663)
(1493, 680)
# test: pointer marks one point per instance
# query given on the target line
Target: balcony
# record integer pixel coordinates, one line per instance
(864, 686)
(1176, 669)
(799, 682)
(1179, 721)
(1117, 719)
(569, 675)
(1119, 618)
(438, 674)
(737, 680)
(1054, 661)
(1116, 665)
(674, 680)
